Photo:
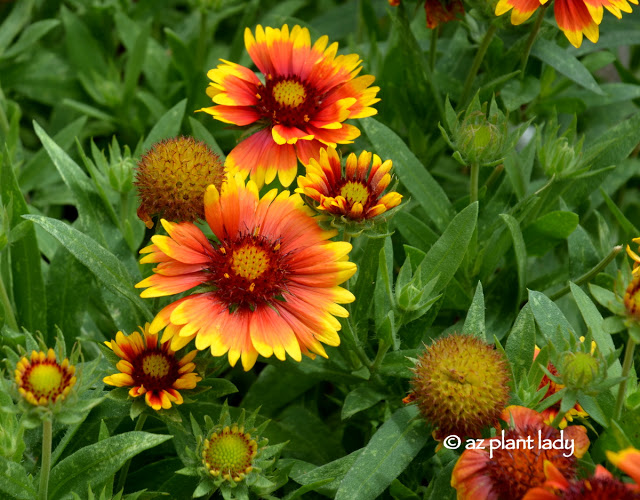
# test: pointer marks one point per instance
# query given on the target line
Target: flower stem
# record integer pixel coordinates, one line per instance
(532, 38)
(475, 66)
(588, 276)
(383, 347)
(626, 367)
(47, 434)
(8, 310)
(122, 478)
(475, 174)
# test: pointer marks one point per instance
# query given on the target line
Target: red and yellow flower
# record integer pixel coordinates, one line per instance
(574, 17)
(550, 413)
(272, 279)
(42, 380)
(151, 368)
(439, 11)
(356, 192)
(602, 485)
(635, 257)
(511, 473)
(301, 105)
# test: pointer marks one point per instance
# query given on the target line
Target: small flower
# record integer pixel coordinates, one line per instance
(549, 414)
(151, 368)
(352, 194)
(300, 106)
(461, 385)
(42, 380)
(574, 17)
(632, 296)
(602, 485)
(508, 473)
(229, 452)
(172, 177)
(271, 282)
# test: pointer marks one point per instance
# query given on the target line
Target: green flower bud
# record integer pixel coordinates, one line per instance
(579, 369)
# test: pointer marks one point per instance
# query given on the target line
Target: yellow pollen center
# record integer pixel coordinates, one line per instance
(45, 378)
(249, 262)
(155, 365)
(229, 451)
(289, 93)
(354, 192)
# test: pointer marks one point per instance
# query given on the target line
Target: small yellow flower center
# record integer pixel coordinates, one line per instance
(155, 365)
(45, 379)
(249, 262)
(229, 453)
(355, 192)
(289, 93)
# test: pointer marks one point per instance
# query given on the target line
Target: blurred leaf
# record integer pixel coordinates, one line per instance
(548, 231)
(561, 60)
(517, 92)
(304, 473)
(26, 264)
(83, 50)
(14, 22)
(614, 145)
(520, 251)
(167, 127)
(201, 133)
(413, 174)
(95, 463)
(391, 449)
(367, 272)
(29, 36)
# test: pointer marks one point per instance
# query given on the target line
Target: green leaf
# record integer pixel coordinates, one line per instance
(83, 50)
(201, 133)
(607, 299)
(520, 251)
(446, 255)
(367, 272)
(548, 231)
(167, 127)
(474, 322)
(360, 399)
(30, 36)
(553, 325)
(562, 61)
(416, 232)
(391, 449)
(134, 63)
(26, 270)
(95, 463)
(521, 343)
(14, 481)
(105, 266)
(413, 174)
(614, 145)
(593, 320)
(517, 92)
(627, 226)
(14, 22)
(304, 473)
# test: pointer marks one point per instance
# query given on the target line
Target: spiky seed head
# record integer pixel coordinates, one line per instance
(172, 177)
(461, 385)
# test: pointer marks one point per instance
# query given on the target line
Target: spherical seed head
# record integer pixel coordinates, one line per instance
(172, 177)
(461, 385)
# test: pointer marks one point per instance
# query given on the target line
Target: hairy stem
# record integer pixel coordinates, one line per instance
(45, 468)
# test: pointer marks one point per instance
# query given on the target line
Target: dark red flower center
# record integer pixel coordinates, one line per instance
(248, 271)
(155, 370)
(287, 101)
(514, 472)
(599, 488)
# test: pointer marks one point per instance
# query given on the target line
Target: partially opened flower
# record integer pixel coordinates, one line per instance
(272, 279)
(229, 452)
(42, 380)
(503, 473)
(171, 179)
(355, 192)
(439, 11)
(550, 413)
(300, 105)
(574, 17)
(152, 368)
(602, 485)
